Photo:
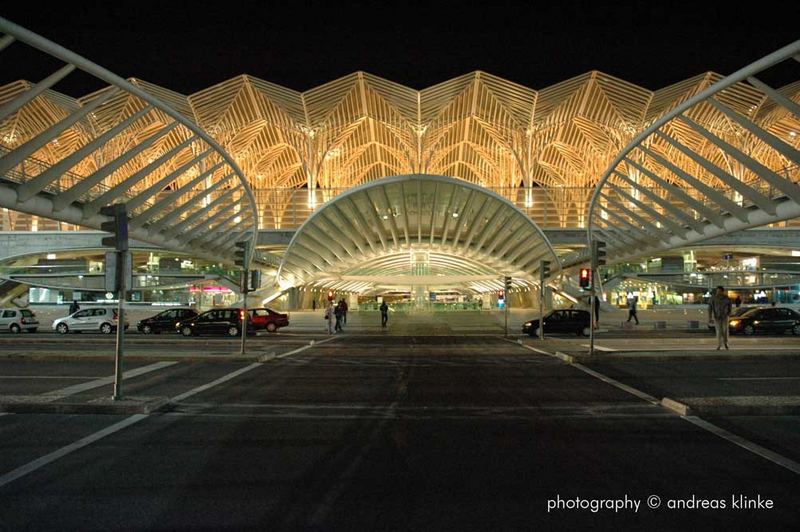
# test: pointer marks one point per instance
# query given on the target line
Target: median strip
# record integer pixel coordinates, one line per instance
(684, 410)
(83, 442)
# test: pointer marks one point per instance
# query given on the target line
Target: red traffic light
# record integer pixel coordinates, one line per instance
(585, 277)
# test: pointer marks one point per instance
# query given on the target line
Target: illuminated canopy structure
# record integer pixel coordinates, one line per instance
(64, 159)
(416, 230)
(686, 178)
(198, 171)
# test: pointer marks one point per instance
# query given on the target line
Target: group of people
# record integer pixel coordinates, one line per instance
(337, 312)
(336, 315)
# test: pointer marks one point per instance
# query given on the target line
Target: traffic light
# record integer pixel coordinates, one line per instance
(242, 253)
(544, 270)
(598, 253)
(117, 226)
(255, 280)
(508, 284)
(586, 277)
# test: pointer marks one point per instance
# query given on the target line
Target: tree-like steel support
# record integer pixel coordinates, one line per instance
(692, 196)
(168, 199)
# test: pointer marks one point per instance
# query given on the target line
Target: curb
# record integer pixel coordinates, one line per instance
(61, 357)
(568, 359)
(144, 406)
(671, 356)
(676, 406)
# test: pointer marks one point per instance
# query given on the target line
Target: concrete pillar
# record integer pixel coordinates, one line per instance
(294, 299)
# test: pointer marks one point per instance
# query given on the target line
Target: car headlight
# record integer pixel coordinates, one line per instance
(528, 324)
(735, 323)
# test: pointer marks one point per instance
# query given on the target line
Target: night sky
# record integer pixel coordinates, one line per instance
(188, 46)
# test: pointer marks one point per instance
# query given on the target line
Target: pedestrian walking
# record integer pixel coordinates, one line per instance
(596, 307)
(384, 314)
(313, 304)
(719, 310)
(632, 309)
(343, 304)
(338, 312)
(74, 307)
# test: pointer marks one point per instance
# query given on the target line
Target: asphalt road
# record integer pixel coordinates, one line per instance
(366, 433)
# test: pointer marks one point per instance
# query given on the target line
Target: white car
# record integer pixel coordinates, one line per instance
(102, 319)
(17, 320)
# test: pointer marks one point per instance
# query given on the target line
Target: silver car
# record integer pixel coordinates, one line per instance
(102, 319)
(17, 320)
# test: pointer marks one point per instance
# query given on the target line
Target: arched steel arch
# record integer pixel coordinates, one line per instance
(371, 232)
(183, 191)
(680, 182)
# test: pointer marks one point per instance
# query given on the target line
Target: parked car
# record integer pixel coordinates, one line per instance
(571, 321)
(165, 320)
(17, 320)
(736, 312)
(775, 320)
(223, 321)
(266, 318)
(101, 319)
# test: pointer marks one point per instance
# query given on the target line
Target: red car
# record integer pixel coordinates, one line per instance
(266, 318)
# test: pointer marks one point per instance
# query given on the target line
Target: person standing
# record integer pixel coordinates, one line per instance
(384, 314)
(313, 304)
(632, 309)
(596, 308)
(329, 316)
(74, 307)
(719, 309)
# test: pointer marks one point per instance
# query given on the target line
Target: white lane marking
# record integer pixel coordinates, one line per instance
(241, 371)
(763, 452)
(72, 447)
(78, 388)
(633, 391)
(57, 377)
(300, 349)
(83, 442)
(758, 378)
(772, 456)
(540, 351)
(600, 348)
(211, 384)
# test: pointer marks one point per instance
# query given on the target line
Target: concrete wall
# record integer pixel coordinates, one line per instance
(16, 243)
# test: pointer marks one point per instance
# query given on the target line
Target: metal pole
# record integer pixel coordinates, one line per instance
(591, 313)
(244, 307)
(541, 311)
(508, 300)
(121, 294)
